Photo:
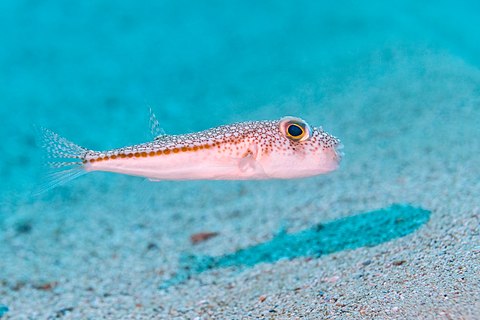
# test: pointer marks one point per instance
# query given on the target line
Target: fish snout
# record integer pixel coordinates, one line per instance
(338, 151)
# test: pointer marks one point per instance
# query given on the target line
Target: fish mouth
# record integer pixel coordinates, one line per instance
(338, 149)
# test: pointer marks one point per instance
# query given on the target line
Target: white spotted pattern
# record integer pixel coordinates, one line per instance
(265, 134)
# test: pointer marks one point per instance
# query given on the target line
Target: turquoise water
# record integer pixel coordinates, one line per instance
(398, 82)
(88, 70)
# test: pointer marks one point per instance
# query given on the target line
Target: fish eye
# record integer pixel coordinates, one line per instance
(295, 129)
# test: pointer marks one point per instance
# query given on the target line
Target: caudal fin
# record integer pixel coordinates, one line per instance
(64, 160)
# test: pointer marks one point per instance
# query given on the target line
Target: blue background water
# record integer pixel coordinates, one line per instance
(89, 69)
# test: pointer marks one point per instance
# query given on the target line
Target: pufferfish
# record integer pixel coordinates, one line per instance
(254, 150)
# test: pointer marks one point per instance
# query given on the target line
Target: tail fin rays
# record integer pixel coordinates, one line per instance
(58, 147)
(57, 178)
(64, 160)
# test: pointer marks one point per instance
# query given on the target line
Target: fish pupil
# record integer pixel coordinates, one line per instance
(294, 130)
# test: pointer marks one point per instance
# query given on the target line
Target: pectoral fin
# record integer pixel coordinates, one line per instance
(248, 163)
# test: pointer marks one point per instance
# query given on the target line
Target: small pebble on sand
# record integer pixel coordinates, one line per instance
(202, 236)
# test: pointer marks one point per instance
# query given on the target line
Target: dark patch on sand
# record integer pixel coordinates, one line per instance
(362, 230)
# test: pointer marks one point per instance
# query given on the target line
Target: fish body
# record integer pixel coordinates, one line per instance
(272, 149)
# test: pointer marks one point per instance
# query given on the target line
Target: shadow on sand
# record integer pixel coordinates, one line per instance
(365, 229)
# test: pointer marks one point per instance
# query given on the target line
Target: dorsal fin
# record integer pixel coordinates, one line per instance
(156, 131)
